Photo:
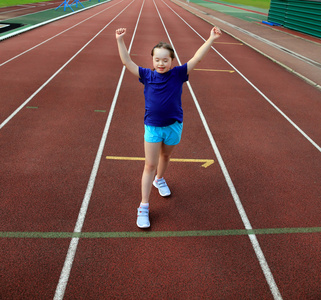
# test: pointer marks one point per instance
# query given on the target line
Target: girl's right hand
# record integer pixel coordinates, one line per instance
(216, 32)
(120, 32)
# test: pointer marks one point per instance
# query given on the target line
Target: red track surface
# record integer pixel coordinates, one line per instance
(48, 153)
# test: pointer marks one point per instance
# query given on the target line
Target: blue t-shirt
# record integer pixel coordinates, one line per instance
(163, 104)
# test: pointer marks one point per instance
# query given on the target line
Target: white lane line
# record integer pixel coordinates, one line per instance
(258, 90)
(36, 46)
(56, 73)
(255, 244)
(65, 273)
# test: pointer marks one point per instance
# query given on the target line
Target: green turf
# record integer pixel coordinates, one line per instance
(259, 4)
(5, 3)
(255, 3)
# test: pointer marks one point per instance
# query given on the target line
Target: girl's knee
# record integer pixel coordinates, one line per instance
(150, 167)
(166, 152)
(166, 157)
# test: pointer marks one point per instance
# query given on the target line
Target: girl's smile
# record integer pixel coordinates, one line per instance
(162, 60)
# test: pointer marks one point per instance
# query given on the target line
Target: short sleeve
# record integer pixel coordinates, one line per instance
(182, 72)
(143, 74)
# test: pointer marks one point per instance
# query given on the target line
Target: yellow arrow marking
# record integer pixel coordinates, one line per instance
(212, 70)
(206, 162)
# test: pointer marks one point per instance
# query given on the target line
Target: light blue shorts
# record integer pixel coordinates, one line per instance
(169, 135)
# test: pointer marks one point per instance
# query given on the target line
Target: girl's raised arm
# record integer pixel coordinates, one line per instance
(201, 52)
(123, 53)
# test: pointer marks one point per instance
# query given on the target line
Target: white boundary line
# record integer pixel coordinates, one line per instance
(64, 276)
(255, 244)
(56, 73)
(9, 35)
(36, 46)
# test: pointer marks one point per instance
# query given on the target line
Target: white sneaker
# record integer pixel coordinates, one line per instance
(161, 184)
(143, 217)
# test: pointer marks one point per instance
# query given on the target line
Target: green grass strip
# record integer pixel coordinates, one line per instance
(5, 3)
(247, 13)
(265, 4)
(158, 234)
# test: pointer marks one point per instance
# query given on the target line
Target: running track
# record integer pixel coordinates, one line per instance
(245, 227)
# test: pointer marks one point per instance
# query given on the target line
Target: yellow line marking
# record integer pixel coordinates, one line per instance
(206, 162)
(212, 70)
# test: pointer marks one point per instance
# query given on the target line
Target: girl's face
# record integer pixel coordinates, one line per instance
(162, 61)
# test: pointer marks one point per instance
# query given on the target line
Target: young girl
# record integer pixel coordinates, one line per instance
(163, 111)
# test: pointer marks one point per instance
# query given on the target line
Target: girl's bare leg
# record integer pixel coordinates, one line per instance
(152, 153)
(164, 159)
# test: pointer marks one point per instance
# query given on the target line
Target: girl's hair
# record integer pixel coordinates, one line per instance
(165, 46)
